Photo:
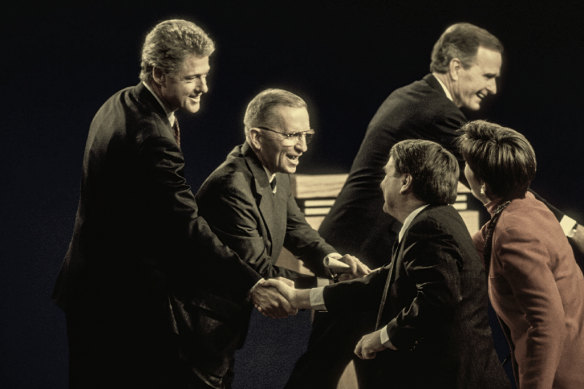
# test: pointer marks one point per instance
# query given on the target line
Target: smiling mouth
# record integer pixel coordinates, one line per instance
(481, 95)
(293, 157)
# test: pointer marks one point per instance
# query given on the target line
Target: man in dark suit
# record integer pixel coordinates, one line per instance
(431, 327)
(249, 204)
(134, 282)
(465, 64)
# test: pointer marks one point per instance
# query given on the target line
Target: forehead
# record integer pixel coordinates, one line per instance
(291, 118)
(390, 166)
(488, 61)
(193, 65)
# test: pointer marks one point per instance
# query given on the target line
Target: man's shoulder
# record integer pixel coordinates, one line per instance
(421, 101)
(132, 109)
(233, 174)
(441, 225)
(439, 219)
(429, 97)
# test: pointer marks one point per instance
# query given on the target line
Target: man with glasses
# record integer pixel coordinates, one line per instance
(248, 203)
(130, 282)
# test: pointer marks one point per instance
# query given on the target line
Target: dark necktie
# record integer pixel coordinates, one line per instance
(384, 296)
(176, 129)
(273, 184)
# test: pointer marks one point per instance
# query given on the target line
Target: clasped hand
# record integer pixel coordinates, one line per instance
(268, 300)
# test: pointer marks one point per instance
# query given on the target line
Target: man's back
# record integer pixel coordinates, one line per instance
(436, 311)
(355, 223)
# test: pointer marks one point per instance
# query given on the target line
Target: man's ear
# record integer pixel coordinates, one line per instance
(407, 182)
(254, 136)
(454, 67)
(158, 76)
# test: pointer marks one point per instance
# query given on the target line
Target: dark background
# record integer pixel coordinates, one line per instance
(60, 62)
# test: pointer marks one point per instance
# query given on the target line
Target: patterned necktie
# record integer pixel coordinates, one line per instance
(176, 129)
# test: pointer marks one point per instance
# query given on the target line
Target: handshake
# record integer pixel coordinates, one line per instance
(278, 298)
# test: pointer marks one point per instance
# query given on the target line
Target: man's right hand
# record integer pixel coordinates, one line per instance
(270, 302)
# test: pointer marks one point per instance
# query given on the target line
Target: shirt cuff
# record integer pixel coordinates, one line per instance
(317, 299)
(568, 224)
(384, 336)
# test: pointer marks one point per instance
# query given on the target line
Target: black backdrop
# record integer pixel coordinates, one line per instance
(60, 62)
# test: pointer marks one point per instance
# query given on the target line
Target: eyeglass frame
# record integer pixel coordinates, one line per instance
(291, 135)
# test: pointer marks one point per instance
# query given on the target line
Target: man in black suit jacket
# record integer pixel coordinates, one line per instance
(249, 204)
(134, 282)
(431, 328)
(466, 61)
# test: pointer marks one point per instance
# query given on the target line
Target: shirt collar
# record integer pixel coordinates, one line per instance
(169, 114)
(271, 176)
(408, 221)
(445, 89)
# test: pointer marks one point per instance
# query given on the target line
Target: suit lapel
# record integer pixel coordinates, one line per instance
(396, 259)
(270, 206)
(280, 211)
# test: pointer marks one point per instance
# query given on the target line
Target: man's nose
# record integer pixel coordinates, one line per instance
(301, 144)
(492, 86)
(202, 86)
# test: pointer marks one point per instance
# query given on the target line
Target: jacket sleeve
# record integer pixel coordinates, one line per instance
(357, 295)
(430, 263)
(525, 261)
(305, 242)
(163, 164)
(230, 207)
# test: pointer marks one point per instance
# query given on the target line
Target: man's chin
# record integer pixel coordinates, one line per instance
(192, 108)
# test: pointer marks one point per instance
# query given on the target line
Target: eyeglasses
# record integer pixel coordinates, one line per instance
(293, 137)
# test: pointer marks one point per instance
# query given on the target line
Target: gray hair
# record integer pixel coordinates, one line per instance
(462, 41)
(259, 111)
(169, 43)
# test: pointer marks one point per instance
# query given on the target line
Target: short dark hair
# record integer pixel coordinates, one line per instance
(462, 41)
(169, 43)
(434, 169)
(500, 156)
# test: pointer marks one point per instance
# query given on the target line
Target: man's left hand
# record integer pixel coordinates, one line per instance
(369, 345)
(358, 268)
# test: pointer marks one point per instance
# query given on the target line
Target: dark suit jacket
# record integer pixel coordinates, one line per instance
(433, 299)
(238, 203)
(141, 258)
(419, 110)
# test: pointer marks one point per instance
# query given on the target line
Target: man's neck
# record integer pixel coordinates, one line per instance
(408, 207)
(446, 84)
(259, 157)
(155, 90)
(408, 220)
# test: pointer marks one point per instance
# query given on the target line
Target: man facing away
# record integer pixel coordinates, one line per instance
(465, 64)
(248, 202)
(141, 257)
(431, 327)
